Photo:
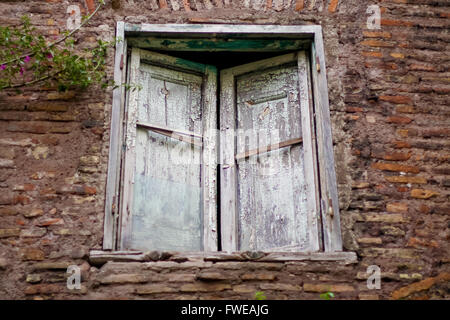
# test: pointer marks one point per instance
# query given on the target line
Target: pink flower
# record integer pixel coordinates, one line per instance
(49, 56)
(3, 67)
(27, 59)
(22, 70)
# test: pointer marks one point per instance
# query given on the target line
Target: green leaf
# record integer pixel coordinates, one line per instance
(259, 295)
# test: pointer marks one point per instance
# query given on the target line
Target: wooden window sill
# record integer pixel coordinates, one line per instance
(99, 257)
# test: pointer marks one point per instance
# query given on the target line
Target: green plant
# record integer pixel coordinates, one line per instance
(259, 295)
(28, 58)
(327, 295)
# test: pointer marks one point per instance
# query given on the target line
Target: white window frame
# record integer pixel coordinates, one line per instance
(325, 174)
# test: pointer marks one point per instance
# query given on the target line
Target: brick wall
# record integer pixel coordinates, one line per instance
(389, 99)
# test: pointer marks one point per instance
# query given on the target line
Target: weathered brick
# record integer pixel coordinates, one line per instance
(369, 240)
(52, 265)
(395, 167)
(323, 287)
(423, 193)
(244, 288)
(50, 222)
(89, 160)
(397, 55)
(416, 242)
(395, 23)
(48, 107)
(396, 99)
(397, 156)
(406, 179)
(154, 288)
(7, 153)
(43, 289)
(388, 218)
(421, 67)
(399, 253)
(24, 187)
(35, 212)
(123, 278)
(280, 287)
(6, 163)
(33, 233)
(368, 296)
(214, 276)
(397, 207)
(373, 54)
(67, 95)
(204, 287)
(10, 232)
(258, 276)
(376, 34)
(392, 231)
(8, 211)
(32, 254)
(398, 120)
(420, 286)
(376, 43)
(29, 127)
(33, 278)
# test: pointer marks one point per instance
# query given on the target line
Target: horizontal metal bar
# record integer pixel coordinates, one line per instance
(271, 147)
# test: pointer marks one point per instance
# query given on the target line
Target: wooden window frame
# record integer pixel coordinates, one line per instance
(322, 140)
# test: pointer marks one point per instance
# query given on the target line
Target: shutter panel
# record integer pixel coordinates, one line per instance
(164, 176)
(273, 179)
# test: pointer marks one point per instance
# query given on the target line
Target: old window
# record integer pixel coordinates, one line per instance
(223, 157)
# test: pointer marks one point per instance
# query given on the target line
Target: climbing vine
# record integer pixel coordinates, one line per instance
(28, 58)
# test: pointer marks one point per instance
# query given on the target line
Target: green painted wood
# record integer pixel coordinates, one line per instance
(215, 45)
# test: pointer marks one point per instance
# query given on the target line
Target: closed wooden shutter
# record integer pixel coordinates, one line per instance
(268, 185)
(164, 166)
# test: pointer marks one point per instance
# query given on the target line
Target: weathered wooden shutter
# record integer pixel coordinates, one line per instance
(268, 188)
(169, 167)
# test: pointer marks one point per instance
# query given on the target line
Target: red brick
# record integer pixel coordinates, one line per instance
(23, 200)
(398, 120)
(376, 43)
(397, 55)
(374, 54)
(406, 179)
(376, 34)
(43, 289)
(401, 144)
(421, 67)
(405, 109)
(353, 109)
(333, 6)
(50, 222)
(395, 23)
(163, 4)
(416, 242)
(396, 99)
(29, 127)
(397, 156)
(299, 5)
(395, 167)
(420, 286)
(91, 5)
